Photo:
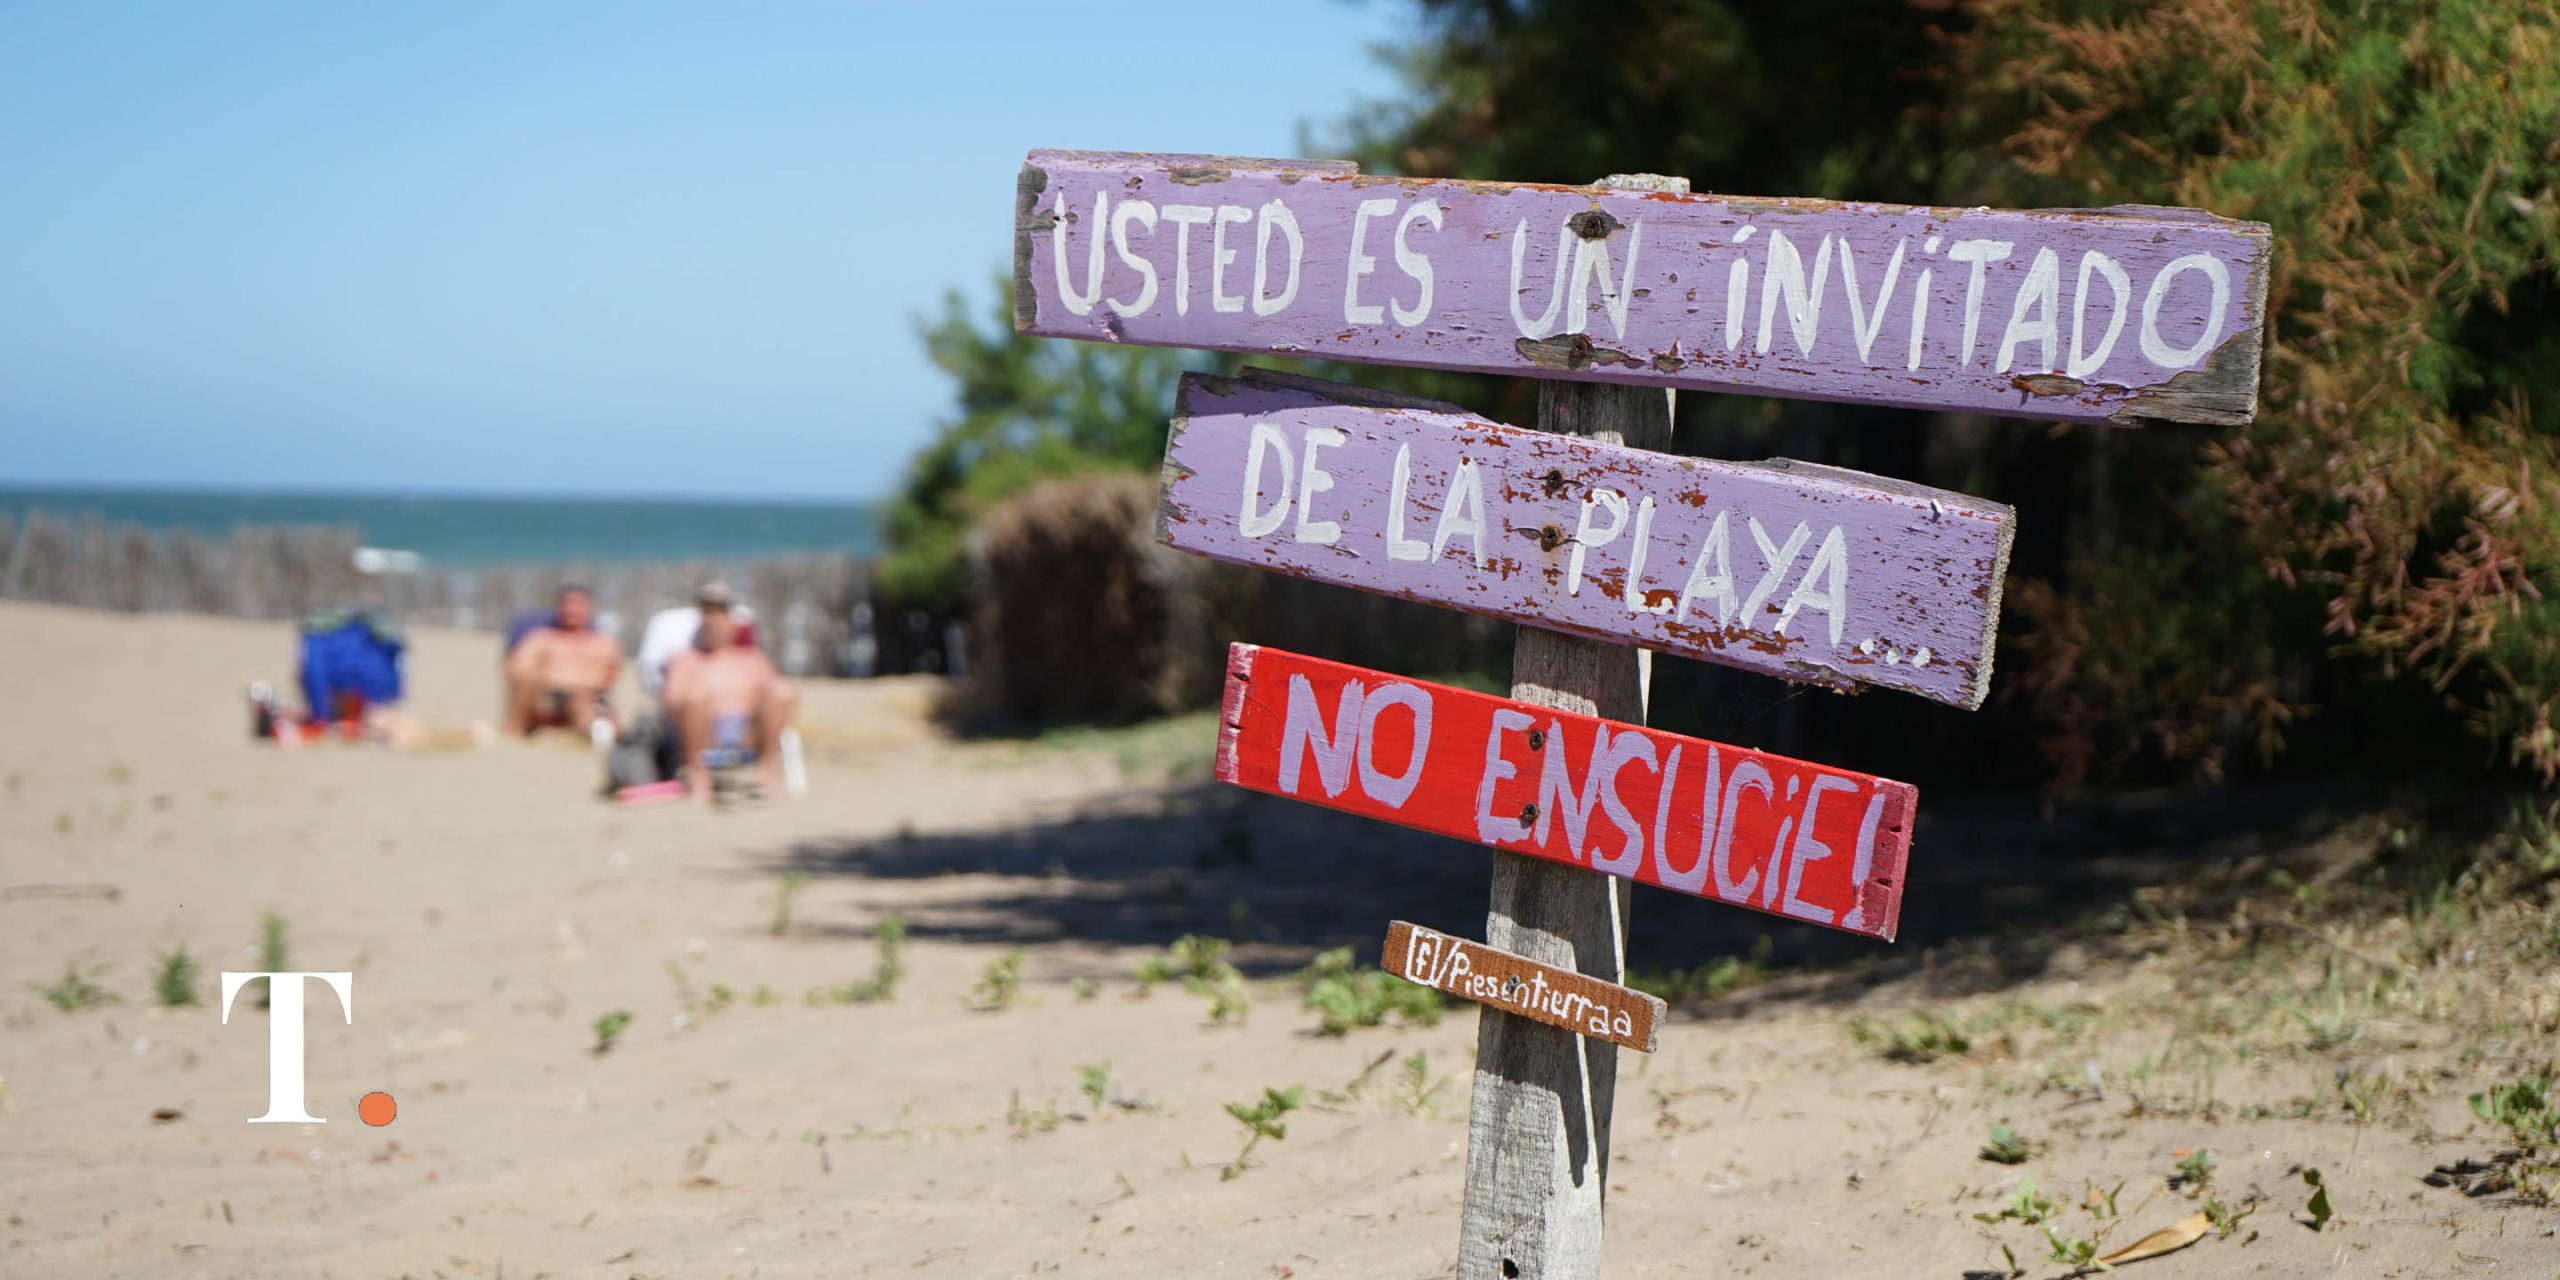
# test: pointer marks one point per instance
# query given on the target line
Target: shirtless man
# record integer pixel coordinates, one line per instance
(562, 674)
(726, 700)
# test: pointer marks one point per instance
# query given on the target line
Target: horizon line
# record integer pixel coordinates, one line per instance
(13, 486)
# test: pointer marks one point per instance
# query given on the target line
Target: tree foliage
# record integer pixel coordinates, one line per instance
(2355, 574)
(1024, 409)
(2352, 581)
(2401, 470)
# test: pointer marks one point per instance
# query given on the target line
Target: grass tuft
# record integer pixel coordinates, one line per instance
(885, 971)
(1000, 986)
(1921, 1037)
(174, 982)
(1345, 997)
(75, 990)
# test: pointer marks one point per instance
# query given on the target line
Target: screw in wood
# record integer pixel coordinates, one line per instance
(1537, 739)
(1528, 815)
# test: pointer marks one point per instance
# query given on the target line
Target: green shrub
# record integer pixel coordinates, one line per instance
(1345, 996)
(2372, 552)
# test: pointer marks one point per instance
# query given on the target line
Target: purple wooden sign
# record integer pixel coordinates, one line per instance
(2109, 315)
(1806, 572)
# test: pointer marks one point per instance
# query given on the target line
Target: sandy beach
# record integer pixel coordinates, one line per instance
(491, 908)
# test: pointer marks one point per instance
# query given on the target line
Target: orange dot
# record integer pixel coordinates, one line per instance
(376, 1109)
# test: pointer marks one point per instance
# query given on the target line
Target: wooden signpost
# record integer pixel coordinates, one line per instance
(1786, 837)
(1811, 573)
(2095, 315)
(1597, 542)
(1519, 985)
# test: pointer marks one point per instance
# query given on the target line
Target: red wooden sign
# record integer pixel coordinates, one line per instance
(1788, 837)
(1577, 1002)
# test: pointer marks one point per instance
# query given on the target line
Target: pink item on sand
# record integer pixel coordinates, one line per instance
(651, 792)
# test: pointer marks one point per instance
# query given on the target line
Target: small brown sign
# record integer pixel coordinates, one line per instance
(1517, 984)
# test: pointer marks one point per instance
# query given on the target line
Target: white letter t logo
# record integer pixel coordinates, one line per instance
(284, 1037)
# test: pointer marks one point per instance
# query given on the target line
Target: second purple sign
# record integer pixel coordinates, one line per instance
(1806, 572)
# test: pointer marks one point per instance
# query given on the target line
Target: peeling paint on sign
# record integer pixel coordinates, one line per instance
(2099, 315)
(1809, 573)
(1788, 837)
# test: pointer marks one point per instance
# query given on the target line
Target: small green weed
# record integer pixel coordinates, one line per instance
(2360, 1094)
(1093, 1080)
(75, 991)
(2027, 1204)
(2194, 1171)
(1000, 986)
(1200, 964)
(790, 883)
(2072, 1251)
(175, 980)
(2101, 1201)
(1345, 997)
(609, 1028)
(2005, 1146)
(2524, 1108)
(1922, 1037)
(1026, 1123)
(885, 972)
(1261, 1120)
(2225, 1218)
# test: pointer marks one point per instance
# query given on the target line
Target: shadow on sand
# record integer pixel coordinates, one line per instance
(1997, 874)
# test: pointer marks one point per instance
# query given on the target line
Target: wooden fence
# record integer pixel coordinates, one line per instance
(817, 614)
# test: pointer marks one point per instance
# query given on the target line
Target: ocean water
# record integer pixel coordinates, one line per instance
(479, 532)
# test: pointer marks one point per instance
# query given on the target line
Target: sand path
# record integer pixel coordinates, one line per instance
(491, 908)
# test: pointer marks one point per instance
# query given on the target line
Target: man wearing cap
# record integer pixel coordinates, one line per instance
(726, 702)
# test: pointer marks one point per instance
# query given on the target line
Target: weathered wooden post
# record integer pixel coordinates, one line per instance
(1598, 543)
(1538, 1123)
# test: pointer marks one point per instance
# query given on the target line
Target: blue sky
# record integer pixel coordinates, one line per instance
(581, 248)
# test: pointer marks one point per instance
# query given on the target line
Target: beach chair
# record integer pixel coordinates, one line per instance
(349, 660)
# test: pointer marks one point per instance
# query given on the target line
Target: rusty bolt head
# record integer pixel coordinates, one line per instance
(1554, 483)
(1528, 815)
(1592, 224)
(1537, 739)
(1550, 537)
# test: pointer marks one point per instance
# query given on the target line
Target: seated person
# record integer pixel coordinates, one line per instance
(561, 675)
(726, 702)
(673, 631)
